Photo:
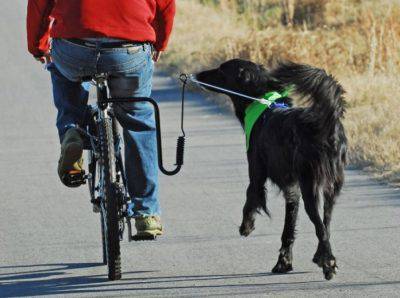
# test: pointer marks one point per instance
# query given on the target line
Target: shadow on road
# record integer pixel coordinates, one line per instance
(31, 283)
(56, 279)
(60, 266)
(21, 281)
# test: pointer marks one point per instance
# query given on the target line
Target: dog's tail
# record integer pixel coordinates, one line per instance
(321, 90)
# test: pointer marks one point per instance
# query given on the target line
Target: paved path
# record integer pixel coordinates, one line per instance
(50, 239)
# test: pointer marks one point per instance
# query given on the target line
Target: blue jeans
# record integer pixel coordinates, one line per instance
(71, 62)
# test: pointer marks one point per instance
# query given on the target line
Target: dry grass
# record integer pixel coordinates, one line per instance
(372, 124)
(357, 41)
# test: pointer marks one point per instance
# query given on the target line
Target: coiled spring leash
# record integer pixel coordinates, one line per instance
(181, 140)
(180, 146)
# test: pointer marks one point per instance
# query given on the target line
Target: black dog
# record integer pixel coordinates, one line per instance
(301, 149)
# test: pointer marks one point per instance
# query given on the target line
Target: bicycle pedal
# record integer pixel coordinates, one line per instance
(74, 178)
(144, 237)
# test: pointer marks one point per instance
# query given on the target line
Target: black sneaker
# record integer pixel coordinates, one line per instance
(70, 164)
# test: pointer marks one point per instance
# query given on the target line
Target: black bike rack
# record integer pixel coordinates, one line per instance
(180, 142)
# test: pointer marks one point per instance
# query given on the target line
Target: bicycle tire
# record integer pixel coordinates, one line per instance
(110, 203)
(92, 183)
(103, 238)
(92, 167)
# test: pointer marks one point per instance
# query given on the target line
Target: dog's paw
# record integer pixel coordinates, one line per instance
(329, 268)
(282, 267)
(246, 228)
(284, 263)
(328, 265)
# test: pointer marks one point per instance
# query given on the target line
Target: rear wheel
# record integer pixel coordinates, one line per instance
(93, 182)
(110, 203)
(103, 237)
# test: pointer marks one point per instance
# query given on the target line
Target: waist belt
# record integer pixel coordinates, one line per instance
(106, 45)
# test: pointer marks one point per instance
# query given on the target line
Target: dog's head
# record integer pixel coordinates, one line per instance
(237, 75)
(241, 76)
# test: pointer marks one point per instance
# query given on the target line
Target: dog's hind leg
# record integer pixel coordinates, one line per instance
(331, 192)
(323, 257)
(329, 202)
(285, 259)
(256, 196)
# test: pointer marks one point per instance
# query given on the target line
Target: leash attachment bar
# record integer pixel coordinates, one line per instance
(180, 143)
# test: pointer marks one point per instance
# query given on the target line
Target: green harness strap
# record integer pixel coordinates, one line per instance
(255, 110)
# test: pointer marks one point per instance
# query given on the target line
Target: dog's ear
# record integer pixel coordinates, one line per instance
(244, 76)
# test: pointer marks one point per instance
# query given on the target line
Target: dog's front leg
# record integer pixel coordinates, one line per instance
(256, 196)
(285, 259)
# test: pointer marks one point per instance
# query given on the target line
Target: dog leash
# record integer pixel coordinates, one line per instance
(266, 98)
(190, 77)
(254, 110)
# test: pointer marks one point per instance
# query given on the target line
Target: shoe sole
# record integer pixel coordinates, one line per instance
(149, 233)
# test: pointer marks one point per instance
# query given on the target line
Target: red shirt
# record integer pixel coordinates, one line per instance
(135, 20)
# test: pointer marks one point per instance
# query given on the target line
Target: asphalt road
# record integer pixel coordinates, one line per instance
(50, 239)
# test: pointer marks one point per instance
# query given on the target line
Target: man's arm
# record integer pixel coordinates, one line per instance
(38, 26)
(163, 23)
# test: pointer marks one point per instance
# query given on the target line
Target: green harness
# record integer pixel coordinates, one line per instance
(255, 110)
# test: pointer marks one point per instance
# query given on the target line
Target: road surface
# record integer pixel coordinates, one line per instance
(50, 239)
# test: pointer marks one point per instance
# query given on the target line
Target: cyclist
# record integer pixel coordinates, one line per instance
(121, 38)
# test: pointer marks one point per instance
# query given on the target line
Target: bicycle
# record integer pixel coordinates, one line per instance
(106, 176)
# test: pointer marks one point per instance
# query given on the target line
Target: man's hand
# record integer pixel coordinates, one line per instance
(156, 55)
(45, 59)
